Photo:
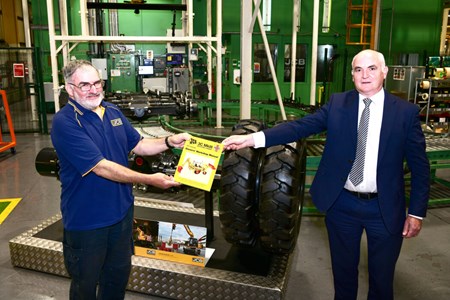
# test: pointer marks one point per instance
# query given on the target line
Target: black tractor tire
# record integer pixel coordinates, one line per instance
(281, 196)
(238, 203)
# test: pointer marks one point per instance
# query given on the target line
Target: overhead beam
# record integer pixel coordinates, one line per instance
(107, 5)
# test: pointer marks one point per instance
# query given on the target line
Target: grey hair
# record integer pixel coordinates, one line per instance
(379, 56)
(73, 66)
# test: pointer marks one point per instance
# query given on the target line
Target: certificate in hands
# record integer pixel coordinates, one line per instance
(198, 163)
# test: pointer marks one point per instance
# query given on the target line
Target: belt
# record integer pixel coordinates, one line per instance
(366, 196)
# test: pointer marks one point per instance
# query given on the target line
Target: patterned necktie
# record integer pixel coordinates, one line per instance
(357, 172)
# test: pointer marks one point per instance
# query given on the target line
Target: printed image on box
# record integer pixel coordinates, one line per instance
(170, 241)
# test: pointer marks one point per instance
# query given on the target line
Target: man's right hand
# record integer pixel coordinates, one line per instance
(163, 181)
(236, 142)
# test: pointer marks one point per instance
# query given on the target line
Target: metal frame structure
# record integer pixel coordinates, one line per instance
(68, 42)
(12, 143)
(250, 12)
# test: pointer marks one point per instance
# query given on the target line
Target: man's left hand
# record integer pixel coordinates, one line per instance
(178, 140)
(412, 227)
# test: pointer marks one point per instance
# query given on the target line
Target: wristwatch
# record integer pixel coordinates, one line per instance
(166, 140)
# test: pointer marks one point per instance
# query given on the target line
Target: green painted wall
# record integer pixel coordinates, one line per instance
(407, 26)
(415, 29)
(410, 27)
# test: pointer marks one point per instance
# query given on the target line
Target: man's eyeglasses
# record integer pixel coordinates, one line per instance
(86, 86)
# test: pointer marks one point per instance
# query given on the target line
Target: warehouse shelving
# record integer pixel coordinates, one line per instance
(433, 97)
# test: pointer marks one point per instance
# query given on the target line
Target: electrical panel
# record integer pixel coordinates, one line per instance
(101, 65)
(122, 73)
(155, 83)
(146, 68)
(135, 72)
(174, 59)
(178, 80)
(401, 80)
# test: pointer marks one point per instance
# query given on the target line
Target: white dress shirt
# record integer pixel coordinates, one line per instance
(369, 183)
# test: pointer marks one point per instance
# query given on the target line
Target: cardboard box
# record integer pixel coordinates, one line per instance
(171, 241)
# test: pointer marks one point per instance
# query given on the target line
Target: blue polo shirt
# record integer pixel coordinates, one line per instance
(81, 140)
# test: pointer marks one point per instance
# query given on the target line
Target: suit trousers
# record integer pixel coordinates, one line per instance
(100, 256)
(345, 221)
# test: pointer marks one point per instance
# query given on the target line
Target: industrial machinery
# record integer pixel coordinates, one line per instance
(165, 162)
(47, 164)
(140, 107)
(193, 245)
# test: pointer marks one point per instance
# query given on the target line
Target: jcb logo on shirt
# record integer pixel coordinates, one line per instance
(116, 122)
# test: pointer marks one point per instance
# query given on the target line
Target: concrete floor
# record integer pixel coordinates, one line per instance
(423, 270)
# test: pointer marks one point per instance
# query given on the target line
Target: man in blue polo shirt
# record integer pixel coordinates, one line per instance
(93, 139)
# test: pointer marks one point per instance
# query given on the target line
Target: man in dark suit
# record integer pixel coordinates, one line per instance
(360, 180)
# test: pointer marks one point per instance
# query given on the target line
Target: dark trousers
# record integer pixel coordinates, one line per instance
(101, 256)
(345, 223)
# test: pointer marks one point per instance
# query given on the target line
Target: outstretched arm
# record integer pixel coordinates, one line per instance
(152, 146)
(116, 172)
(236, 142)
(148, 146)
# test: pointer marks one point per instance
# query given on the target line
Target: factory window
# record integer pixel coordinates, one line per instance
(261, 67)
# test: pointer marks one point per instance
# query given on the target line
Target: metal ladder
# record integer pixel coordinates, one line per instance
(361, 15)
